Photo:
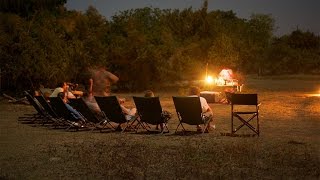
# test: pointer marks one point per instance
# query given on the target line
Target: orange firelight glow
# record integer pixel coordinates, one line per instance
(314, 95)
(209, 79)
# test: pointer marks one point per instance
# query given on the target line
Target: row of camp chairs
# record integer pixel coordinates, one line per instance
(149, 112)
(55, 113)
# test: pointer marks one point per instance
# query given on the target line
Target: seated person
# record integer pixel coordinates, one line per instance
(62, 87)
(72, 88)
(75, 114)
(37, 93)
(46, 96)
(165, 114)
(206, 110)
(129, 113)
(92, 104)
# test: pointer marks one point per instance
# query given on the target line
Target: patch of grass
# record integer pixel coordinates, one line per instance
(288, 146)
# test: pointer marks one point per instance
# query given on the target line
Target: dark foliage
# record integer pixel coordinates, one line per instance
(145, 47)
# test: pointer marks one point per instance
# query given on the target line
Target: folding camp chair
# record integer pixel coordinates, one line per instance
(150, 112)
(41, 114)
(63, 113)
(84, 110)
(57, 121)
(253, 112)
(112, 112)
(189, 111)
(46, 106)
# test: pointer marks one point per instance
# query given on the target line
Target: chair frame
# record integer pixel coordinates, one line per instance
(41, 114)
(80, 105)
(57, 121)
(112, 112)
(150, 112)
(46, 106)
(245, 100)
(189, 111)
(63, 113)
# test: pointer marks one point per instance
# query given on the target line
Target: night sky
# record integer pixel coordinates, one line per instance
(288, 14)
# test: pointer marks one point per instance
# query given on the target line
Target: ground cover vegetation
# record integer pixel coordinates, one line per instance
(43, 43)
(288, 146)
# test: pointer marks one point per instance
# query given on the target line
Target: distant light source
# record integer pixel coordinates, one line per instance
(209, 79)
(226, 74)
(314, 95)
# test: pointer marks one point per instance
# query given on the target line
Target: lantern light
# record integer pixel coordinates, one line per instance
(209, 79)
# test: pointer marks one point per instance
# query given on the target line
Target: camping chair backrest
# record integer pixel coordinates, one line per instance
(83, 108)
(244, 99)
(46, 106)
(149, 109)
(32, 101)
(188, 109)
(110, 106)
(60, 108)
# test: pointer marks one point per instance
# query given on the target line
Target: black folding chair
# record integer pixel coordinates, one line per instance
(46, 106)
(150, 112)
(85, 111)
(57, 121)
(189, 111)
(63, 113)
(112, 112)
(41, 115)
(251, 110)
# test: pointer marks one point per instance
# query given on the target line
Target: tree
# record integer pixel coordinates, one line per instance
(26, 8)
(260, 36)
(303, 40)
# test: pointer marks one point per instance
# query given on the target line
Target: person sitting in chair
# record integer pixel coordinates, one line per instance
(129, 112)
(63, 87)
(75, 114)
(164, 114)
(206, 110)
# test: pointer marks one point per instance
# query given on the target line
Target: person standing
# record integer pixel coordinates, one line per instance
(100, 81)
(99, 84)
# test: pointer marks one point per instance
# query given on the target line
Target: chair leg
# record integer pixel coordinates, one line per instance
(232, 130)
(178, 127)
(246, 123)
(164, 127)
(142, 125)
(104, 123)
(258, 124)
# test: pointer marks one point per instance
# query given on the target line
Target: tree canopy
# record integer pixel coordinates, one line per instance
(43, 43)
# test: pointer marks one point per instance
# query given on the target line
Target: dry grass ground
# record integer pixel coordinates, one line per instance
(288, 147)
